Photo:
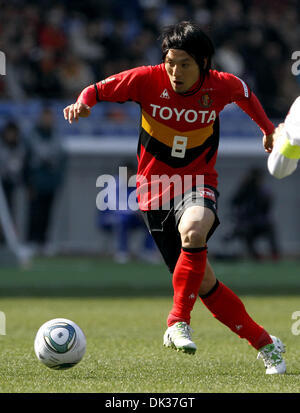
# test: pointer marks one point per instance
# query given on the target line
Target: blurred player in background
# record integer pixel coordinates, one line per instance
(44, 172)
(180, 100)
(251, 207)
(12, 161)
(284, 157)
(123, 221)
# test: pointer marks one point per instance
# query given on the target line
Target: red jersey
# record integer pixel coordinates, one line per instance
(179, 134)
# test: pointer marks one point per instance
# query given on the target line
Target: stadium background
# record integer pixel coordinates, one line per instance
(54, 49)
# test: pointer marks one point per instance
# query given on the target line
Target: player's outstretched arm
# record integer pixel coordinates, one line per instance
(254, 109)
(126, 86)
(75, 111)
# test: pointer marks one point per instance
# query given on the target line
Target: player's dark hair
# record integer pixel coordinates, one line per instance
(189, 37)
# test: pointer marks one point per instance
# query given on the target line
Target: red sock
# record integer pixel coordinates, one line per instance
(187, 277)
(229, 309)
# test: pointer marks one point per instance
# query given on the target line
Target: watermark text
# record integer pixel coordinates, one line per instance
(2, 324)
(296, 65)
(296, 325)
(124, 192)
(2, 63)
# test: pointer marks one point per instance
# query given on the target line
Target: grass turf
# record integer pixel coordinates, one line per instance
(124, 330)
(69, 276)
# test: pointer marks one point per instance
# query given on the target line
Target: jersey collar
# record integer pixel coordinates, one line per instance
(195, 88)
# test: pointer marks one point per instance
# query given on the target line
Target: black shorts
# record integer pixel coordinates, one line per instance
(163, 224)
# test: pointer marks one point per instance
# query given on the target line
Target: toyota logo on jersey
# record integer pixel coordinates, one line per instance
(189, 115)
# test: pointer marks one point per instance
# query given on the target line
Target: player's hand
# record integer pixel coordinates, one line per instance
(76, 110)
(268, 141)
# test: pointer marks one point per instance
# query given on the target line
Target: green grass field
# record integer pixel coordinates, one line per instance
(122, 310)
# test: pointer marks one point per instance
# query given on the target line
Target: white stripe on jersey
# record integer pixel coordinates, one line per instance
(246, 91)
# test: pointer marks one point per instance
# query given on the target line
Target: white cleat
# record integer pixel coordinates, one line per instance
(271, 355)
(178, 336)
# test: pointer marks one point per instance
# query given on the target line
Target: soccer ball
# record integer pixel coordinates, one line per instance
(60, 344)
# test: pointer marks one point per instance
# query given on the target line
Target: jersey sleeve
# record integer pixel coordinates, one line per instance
(129, 85)
(240, 93)
(237, 88)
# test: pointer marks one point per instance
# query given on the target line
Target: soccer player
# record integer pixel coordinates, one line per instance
(180, 101)
(284, 157)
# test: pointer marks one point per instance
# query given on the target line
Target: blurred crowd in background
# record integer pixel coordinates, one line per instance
(56, 48)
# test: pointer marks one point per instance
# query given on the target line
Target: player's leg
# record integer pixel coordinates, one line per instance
(209, 280)
(227, 307)
(194, 225)
(196, 220)
(122, 227)
(163, 228)
(186, 263)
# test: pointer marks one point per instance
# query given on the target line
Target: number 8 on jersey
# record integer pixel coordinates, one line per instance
(179, 146)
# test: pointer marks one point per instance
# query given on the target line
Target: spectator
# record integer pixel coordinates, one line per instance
(74, 75)
(229, 60)
(12, 158)
(43, 174)
(52, 36)
(48, 84)
(251, 210)
(252, 38)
